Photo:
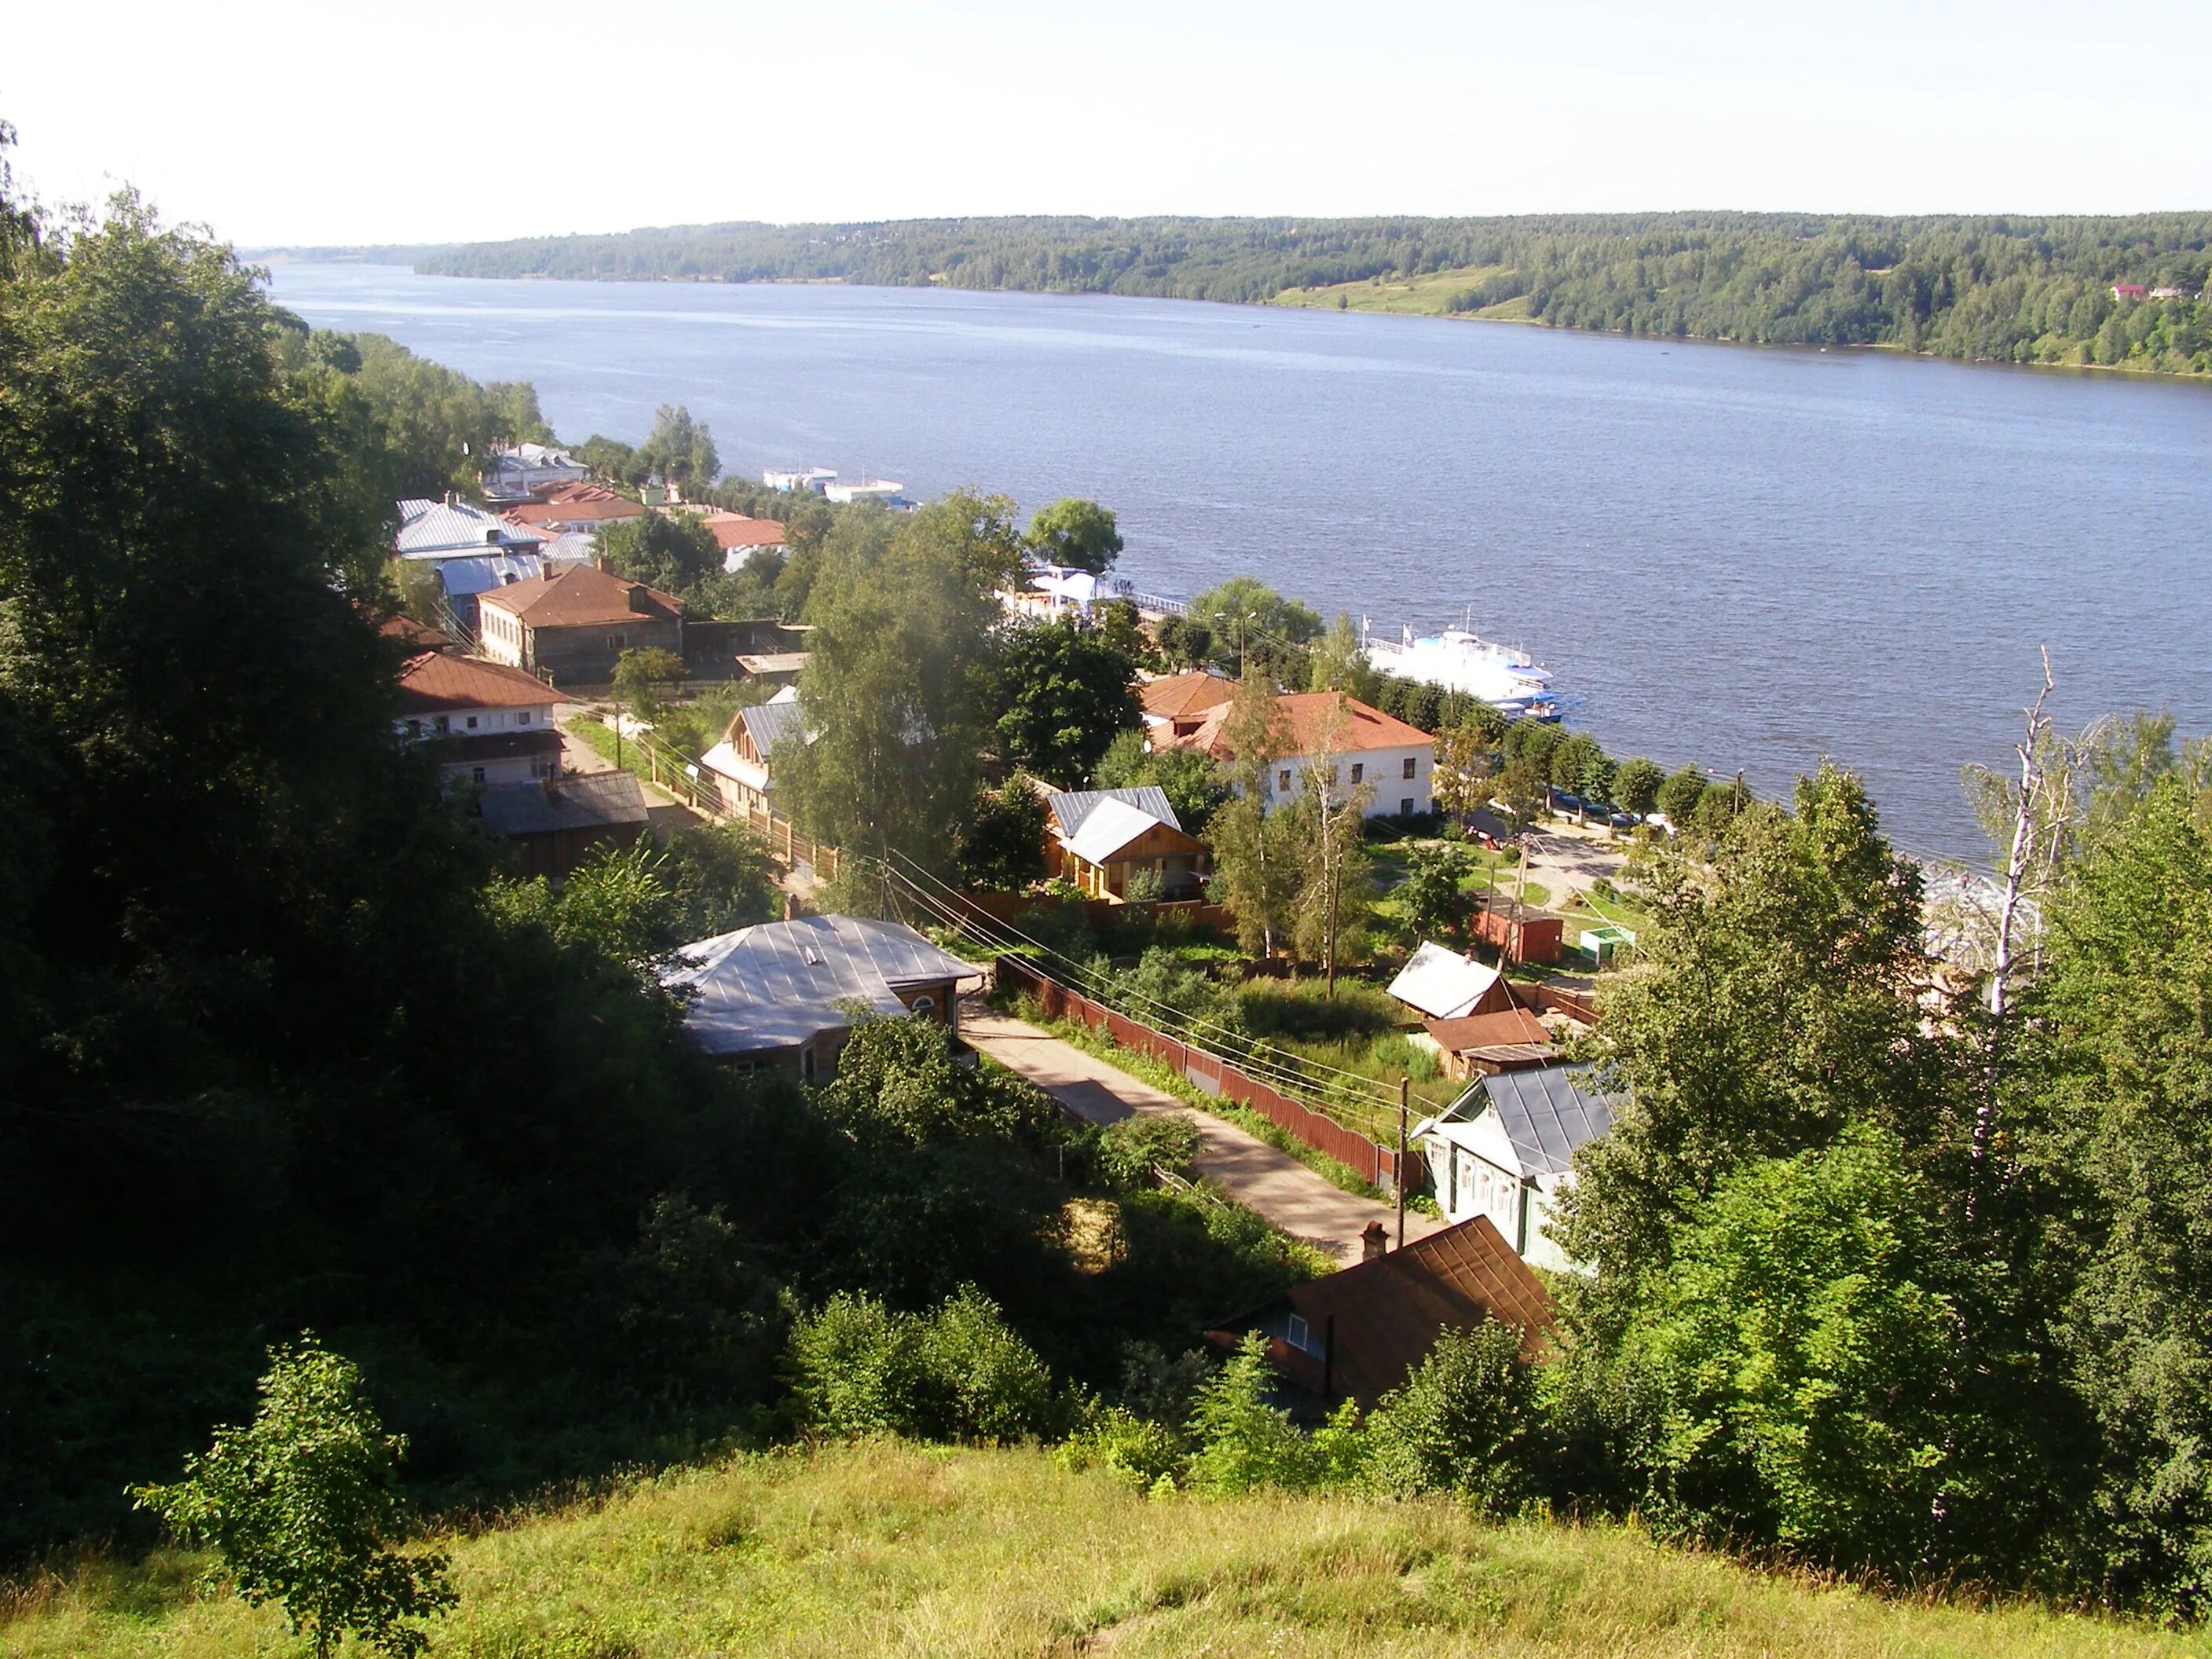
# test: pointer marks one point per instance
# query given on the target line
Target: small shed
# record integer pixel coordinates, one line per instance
(1359, 1333)
(1483, 1045)
(561, 821)
(1520, 932)
(1601, 945)
(1439, 983)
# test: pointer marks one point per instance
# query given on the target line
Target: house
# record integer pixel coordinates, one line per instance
(573, 508)
(738, 764)
(576, 624)
(490, 724)
(1505, 1151)
(2170, 293)
(561, 821)
(1396, 762)
(2129, 291)
(1359, 1333)
(1518, 932)
(1482, 1045)
(809, 480)
(1439, 983)
(520, 471)
(785, 995)
(413, 636)
(1177, 705)
(472, 551)
(1102, 838)
(740, 537)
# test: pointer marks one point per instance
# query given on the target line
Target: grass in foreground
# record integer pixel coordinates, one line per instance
(895, 1549)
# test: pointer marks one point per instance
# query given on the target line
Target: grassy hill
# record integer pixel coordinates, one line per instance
(1428, 294)
(898, 1548)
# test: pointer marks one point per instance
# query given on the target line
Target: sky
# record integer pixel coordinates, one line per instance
(312, 124)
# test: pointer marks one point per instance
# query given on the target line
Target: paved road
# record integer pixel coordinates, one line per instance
(1270, 1182)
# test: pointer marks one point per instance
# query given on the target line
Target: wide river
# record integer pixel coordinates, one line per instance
(1738, 557)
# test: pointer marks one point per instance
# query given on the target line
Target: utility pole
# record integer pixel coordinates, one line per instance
(618, 734)
(1404, 1084)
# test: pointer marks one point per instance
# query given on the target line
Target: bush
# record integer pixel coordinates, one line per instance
(959, 1373)
(1466, 1422)
(1135, 1448)
(1245, 1441)
(1130, 1150)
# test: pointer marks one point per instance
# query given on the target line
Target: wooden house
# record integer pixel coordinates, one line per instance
(1102, 838)
(1519, 933)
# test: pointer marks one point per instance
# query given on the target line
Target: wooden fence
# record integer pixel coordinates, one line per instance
(1219, 1078)
(671, 773)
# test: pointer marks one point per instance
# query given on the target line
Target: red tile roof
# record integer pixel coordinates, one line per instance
(1177, 697)
(582, 596)
(1515, 1025)
(575, 504)
(438, 683)
(732, 530)
(1305, 717)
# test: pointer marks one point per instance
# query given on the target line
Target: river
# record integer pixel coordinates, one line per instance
(1735, 557)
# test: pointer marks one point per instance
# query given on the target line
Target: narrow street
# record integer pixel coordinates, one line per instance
(1271, 1182)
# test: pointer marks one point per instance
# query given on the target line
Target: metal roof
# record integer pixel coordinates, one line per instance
(482, 573)
(1071, 807)
(1442, 983)
(429, 530)
(780, 984)
(592, 800)
(1547, 1114)
(769, 723)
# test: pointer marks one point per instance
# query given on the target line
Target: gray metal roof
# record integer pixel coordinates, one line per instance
(780, 984)
(591, 801)
(770, 723)
(1070, 809)
(430, 529)
(1547, 1113)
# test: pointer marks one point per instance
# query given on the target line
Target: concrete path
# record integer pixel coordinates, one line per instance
(1272, 1182)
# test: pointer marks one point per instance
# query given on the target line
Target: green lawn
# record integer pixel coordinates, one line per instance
(894, 1548)
(1419, 296)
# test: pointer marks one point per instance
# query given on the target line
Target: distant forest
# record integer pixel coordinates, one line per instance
(1990, 289)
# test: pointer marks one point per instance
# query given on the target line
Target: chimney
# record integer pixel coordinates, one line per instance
(1373, 1241)
(790, 907)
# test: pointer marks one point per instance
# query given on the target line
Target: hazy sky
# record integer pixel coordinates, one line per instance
(312, 123)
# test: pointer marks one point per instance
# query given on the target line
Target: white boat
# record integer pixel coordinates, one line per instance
(1459, 660)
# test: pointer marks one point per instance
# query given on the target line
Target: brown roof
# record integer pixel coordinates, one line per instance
(419, 636)
(579, 596)
(1304, 717)
(437, 682)
(1178, 696)
(575, 503)
(1390, 1311)
(1515, 1025)
(732, 530)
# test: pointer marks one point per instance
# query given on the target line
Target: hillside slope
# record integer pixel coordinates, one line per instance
(898, 1548)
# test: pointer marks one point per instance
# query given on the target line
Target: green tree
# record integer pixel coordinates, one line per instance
(1467, 1422)
(1244, 618)
(718, 878)
(681, 451)
(641, 674)
(672, 551)
(1636, 786)
(1185, 644)
(1065, 691)
(1244, 1440)
(299, 1508)
(1677, 797)
(613, 460)
(1436, 903)
(1002, 845)
(1339, 664)
(1076, 533)
(1335, 894)
(1190, 779)
(1462, 779)
(1255, 851)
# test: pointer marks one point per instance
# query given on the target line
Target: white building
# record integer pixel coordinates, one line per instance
(516, 474)
(1506, 1149)
(792, 481)
(1395, 762)
(491, 725)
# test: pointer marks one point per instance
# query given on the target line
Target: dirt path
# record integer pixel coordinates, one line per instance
(1273, 1183)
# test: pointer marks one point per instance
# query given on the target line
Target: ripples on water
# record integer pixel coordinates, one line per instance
(1732, 556)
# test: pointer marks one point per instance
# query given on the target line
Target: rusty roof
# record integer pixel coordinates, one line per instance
(575, 504)
(1304, 719)
(1515, 1025)
(732, 530)
(582, 596)
(438, 683)
(1177, 696)
(1388, 1312)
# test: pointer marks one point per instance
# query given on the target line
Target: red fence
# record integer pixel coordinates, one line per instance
(1216, 1076)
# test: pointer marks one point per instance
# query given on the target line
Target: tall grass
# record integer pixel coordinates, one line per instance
(887, 1547)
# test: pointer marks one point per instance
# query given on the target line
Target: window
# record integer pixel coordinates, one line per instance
(923, 1004)
(1408, 772)
(1404, 806)
(1359, 770)
(1283, 783)
(472, 722)
(441, 726)
(476, 773)
(414, 728)
(1301, 1333)
(617, 641)
(523, 718)
(806, 1065)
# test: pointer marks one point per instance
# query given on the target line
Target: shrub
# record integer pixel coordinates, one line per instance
(1465, 1422)
(1244, 1440)
(1133, 1448)
(958, 1373)
(1130, 1150)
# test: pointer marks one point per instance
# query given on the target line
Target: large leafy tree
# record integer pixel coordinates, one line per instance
(681, 451)
(672, 551)
(1065, 691)
(1076, 533)
(1256, 853)
(1190, 781)
(1247, 621)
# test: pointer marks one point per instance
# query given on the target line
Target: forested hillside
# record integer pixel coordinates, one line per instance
(1991, 289)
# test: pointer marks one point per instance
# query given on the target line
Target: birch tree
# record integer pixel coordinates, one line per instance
(1255, 869)
(1334, 892)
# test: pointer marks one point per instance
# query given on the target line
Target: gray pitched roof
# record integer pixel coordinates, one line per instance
(1547, 1113)
(590, 801)
(1070, 808)
(770, 723)
(779, 984)
(432, 529)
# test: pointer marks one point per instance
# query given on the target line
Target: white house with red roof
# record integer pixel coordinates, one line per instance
(490, 724)
(1395, 761)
